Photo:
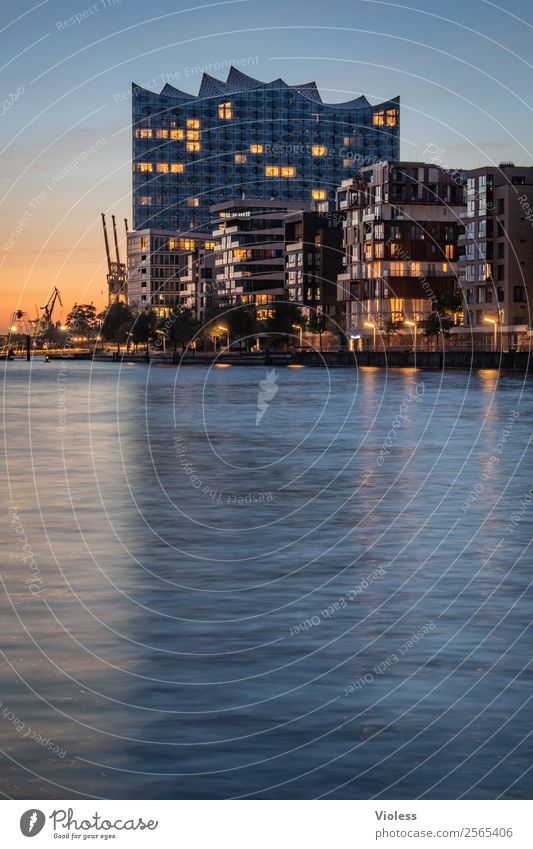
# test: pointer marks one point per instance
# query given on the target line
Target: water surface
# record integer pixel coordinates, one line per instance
(332, 602)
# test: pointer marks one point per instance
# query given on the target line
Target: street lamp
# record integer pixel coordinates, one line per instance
(373, 326)
(495, 323)
(412, 324)
(300, 328)
(161, 333)
(224, 329)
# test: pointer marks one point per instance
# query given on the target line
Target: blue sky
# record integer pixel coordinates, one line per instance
(464, 71)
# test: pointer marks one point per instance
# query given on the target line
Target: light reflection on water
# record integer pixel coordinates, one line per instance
(179, 548)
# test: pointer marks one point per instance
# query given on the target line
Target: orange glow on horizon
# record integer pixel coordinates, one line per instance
(73, 259)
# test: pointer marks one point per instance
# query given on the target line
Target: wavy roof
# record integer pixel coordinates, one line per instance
(237, 82)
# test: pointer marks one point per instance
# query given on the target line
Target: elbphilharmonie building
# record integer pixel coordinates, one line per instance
(243, 138)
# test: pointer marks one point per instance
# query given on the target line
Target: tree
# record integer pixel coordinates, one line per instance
(143, 327)
(317, 322)
(436, 323)
(284, 316)
(180, 327)
(82, 319)
(242, 323)
(449, 304)
(440, 319)
(116, 323)
(389, 327)
(123, 334)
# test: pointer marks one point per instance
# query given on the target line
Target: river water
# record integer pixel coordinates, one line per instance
(225, 582)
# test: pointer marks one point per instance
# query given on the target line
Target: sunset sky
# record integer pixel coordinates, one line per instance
(463, 71)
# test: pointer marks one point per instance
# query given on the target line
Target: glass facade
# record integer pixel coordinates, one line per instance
(245, 138)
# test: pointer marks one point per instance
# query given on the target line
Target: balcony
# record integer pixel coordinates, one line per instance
(372, 213)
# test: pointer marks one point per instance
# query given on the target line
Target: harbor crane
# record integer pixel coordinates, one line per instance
(116, 270)
(49, 307)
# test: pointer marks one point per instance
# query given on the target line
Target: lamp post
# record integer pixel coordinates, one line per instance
(373, 326)
(300, 329)
(495, 323)
(225, 330)
(412, 324)
(161, 333)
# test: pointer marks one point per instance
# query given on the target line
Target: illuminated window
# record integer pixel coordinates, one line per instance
(318, 150)
(145, 166)
(193, 135)
(347, 163)
(143, 134)
(263, 315)
(225, 111)
(144, 243)
(378, 118)
(193, 146)
(177, 135)
(193, 123)
(319, 194)
(283, 171)
(187, 244)
(162, 167)
(445, 267)
(241, 254)
(256, 148)
(193, 201)
(209, 246)
(450, 251)
(240, 158)
(161, 134)
(177, 168)
(392, 117)
(146, 200)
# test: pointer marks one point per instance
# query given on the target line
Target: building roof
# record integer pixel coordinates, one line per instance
(237, 82)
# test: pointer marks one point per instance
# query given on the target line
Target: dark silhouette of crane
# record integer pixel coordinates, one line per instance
(116, 270)
(50, 306)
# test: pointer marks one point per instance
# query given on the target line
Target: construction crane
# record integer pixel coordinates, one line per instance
(115, 238)
(106, 240)
(116, 270)
(49, 307)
